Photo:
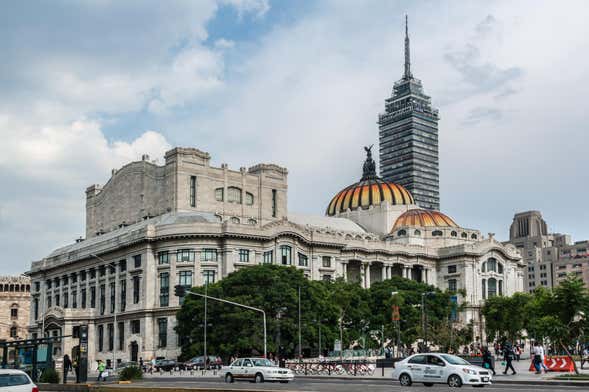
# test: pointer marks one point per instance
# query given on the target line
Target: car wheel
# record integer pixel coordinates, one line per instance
(454, 381)
(259, 378)
(428, 384)
(405, 380)
(229, 378)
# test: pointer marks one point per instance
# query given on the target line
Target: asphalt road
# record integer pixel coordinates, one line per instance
(348, 385)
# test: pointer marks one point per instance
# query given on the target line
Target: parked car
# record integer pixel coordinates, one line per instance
(124, 365)
(215, 362)
(436, 368)
(165, 365)
(16, 381)
(257, 370)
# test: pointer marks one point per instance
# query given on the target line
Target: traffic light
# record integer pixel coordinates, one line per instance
(179, 291)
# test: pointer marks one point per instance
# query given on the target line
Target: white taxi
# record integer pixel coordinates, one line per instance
(257, 370)
(436, 368)
(12, 380)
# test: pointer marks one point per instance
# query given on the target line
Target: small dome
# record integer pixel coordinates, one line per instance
(371, 190)
(424, 218)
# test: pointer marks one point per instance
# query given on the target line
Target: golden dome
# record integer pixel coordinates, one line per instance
(371, 190)
(424, 218)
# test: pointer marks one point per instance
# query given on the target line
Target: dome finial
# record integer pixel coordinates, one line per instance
(369, 168)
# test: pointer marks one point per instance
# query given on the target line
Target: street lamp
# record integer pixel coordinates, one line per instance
(397, 322)
(424, 316)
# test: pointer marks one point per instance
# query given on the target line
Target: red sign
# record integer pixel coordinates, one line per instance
(396, 315)
(556, 364)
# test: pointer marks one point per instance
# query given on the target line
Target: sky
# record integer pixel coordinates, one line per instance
(88, 86)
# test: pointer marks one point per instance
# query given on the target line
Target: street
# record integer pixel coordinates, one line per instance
(340, 385)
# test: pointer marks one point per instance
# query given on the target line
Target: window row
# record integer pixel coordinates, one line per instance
(9, 287)
(234, 195)
(187, 256)
(491, 287)
(437, 233)
(135, 328)
(184, 279)
(491, 265)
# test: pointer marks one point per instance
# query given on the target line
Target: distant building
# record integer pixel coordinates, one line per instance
(15, 300)
(409, 139)
(541, 250)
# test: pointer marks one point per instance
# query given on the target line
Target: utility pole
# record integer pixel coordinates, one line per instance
(205, 326)
(300, 347)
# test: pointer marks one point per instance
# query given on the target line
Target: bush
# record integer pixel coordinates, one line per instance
(49, 376)
(130, 373)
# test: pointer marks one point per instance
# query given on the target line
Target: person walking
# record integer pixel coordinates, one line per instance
(542, 355)
(67, 367)
(101, 369)
(537, 357)
(488, 360)
(76, 366)
(584, 356)
(518, 352)
(508, 356)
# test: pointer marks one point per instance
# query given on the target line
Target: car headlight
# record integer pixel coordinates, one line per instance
(469, 371)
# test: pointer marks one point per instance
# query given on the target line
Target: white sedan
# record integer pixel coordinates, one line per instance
(16, 381)
(257, 370)
(434, 368)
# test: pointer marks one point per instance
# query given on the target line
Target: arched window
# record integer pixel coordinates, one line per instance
(437, 233)
(500, 287)
(13, 332)
(252, 221)
(417, 232)
(401, 233)
(234, 195)
(492, 283)
(464, 235)
(219, 194)
(492, 265)
(286, 254)
(500, 268)
(249, 199)
(473, 236)
(453, 233)
(14, 311)
(234, 219)
(484, 288)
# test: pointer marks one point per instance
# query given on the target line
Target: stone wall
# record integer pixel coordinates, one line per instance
(15, 293)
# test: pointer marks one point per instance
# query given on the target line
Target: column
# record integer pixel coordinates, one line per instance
(384, 272)
(345, 270)
(363, 276)
(367, 275)
(425, 275)
(389, 271)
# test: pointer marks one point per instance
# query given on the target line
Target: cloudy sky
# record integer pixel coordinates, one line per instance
(87, 86)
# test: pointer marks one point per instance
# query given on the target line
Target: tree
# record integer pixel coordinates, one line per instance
(505, 316)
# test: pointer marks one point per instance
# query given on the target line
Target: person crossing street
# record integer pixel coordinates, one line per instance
(508, 356)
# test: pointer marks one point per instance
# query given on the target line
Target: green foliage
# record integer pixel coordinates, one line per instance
(324, 305)
(504, 316)
(130, 373)
(49, 376)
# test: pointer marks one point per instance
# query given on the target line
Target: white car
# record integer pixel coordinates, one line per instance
(257, 370)
(16, 381)
(435, 368)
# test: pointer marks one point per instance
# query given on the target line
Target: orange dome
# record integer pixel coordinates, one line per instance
(371, 190)
(424, 218)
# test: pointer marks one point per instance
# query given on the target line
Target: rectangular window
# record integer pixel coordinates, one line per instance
(83, 299)
(121, 336)
(326, 278)
(100, 338)
(37, 286)
(112, 296)
(162, 332)
(13, 314)
(137, 261)
(48, 301)
(286, 255)
(208, 277)
(326, 261)
(93, 273)
(123, 284)
(163, 257)
(185, 279)
(93, 296)
(74, 299)
(219, 194)
(74, 278)
(102, 298)
(56, 282)
(268, 257)
(185, 256)
(65, 280)
(208, 255)
(48, 284)
(111, 337)
(244, 255)
(66, 303)
(451, 269)
(452, 285)
(123, 265)
(57, 303)
(36, 309)
(112, 269)
(82, 276)
(136, 289)
(135, 326)
(274, 203)
(303, 260)
(102, 270)
(164, 288)
(234, 195)
(192, 191)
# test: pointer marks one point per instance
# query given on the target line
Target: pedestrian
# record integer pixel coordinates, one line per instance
(518, 352)
(488, 360)
(537, 357)
(67, 366)
(141, 364)
(542, 355)
(101, 371)
(508, 356)
(585, 356)
(76, 365)
(152, 368)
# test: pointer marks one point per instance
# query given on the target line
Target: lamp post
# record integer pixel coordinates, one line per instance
(114, 325)
(424, 317)
(397, 325)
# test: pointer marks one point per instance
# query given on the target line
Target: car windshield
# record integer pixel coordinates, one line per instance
(454, 360)
(10, 380)
(262, 362)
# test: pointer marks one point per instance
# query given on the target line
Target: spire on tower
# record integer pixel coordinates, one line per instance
(407, 74)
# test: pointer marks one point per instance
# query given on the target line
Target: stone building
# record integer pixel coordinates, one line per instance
(15, 300)
(185, 222)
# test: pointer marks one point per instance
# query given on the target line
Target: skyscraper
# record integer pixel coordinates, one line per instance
(409, 138)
